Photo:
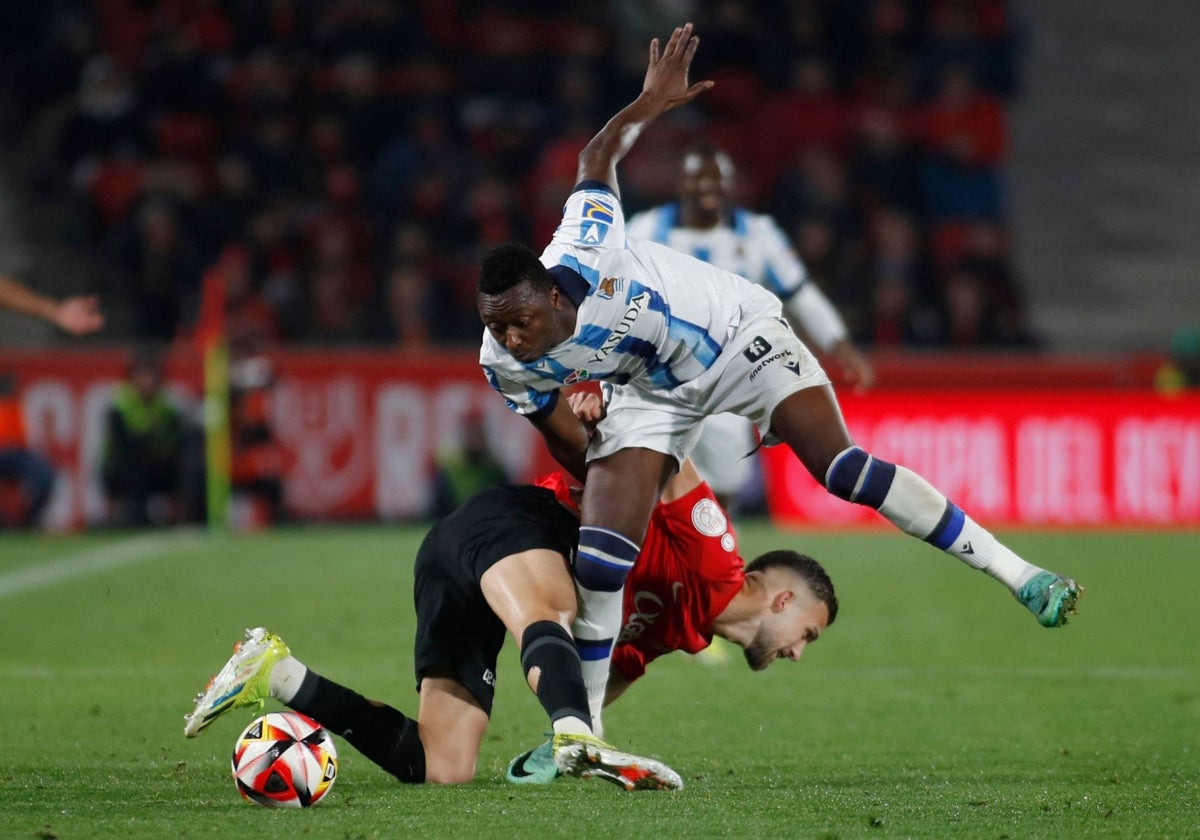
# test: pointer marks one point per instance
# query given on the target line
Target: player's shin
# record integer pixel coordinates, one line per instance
(602, 563)
(381, 733)
(548, 648)
(916, 507)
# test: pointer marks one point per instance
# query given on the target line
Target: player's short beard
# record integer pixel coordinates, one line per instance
(759, 652)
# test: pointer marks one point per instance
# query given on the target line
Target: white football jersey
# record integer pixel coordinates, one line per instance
(648, 316)
(749, 244)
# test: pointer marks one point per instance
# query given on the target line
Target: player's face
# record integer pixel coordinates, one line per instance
(523, 320)
(785, 634)
(702, 183)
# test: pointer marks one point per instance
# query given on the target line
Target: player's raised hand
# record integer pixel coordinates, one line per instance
(667, 74)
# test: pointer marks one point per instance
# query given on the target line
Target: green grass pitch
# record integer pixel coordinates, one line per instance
(934, 707)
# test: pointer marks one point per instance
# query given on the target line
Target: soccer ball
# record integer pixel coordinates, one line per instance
(284, 760)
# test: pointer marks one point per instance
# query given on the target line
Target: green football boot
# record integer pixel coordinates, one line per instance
(1050, 597)
(244, 681)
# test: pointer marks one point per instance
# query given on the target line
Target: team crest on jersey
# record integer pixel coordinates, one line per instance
(597, 218)
(610, 286)
(576, 376)
(708, 518)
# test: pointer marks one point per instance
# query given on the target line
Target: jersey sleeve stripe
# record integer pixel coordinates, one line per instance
(591, 275)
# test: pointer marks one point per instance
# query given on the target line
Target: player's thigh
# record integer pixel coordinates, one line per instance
(531, 586)
(451, 724)
(810, 423)
(621, 490)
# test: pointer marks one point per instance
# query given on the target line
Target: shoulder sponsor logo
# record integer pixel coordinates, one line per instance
(636, 305)
(708, 518)
(576, 376)
(596, 219)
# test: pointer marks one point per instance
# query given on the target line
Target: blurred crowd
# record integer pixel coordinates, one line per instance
(343, 164)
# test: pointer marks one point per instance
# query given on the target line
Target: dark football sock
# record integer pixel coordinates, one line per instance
(547, 646)
(381, 733)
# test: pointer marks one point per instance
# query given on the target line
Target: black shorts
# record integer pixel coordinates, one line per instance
(458, 635)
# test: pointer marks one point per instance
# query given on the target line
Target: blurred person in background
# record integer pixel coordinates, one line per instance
(162, 270)
(705, 223)
(256, 457)
(1183, 369)
(142, 462)
(22, 469)
(463, 472)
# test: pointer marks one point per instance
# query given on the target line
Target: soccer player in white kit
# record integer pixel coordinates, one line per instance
(703, 223)
(686, 340)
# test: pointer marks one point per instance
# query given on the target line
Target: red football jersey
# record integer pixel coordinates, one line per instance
(686, 575)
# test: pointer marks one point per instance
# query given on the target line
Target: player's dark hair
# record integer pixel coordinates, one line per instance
(510, 265)
(805, 568)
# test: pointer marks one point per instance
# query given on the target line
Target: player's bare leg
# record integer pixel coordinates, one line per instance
(451, 726)
(810, 422)
(618, 499)
(533, 594)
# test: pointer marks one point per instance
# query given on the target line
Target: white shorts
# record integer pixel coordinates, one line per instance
(763, 364)
(724, 453)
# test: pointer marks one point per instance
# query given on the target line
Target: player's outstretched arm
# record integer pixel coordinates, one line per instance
(566, 437)
(76, 315)
(665, 87)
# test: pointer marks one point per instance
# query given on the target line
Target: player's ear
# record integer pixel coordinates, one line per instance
(781, 600)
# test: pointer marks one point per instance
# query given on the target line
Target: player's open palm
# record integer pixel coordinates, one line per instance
(667, 74)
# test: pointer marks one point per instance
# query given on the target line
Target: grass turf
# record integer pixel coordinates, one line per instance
(934, 707)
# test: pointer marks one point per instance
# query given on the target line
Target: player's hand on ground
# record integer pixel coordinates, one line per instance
(588, 407)
(667, 74)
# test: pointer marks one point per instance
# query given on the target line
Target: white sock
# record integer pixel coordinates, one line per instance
(991, 555)
(916, 507)
(571, 725)
(596, 626)
(602, 563)
(286, 676)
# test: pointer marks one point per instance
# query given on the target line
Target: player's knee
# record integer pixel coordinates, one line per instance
(604, 559)
(856, 476)
(450, 771)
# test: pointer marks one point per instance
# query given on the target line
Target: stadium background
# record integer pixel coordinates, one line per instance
(986, 190)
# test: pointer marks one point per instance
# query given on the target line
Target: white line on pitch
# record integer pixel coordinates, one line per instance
(101, 559)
